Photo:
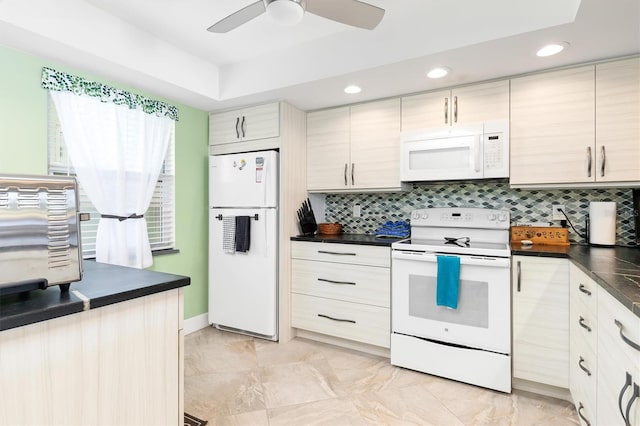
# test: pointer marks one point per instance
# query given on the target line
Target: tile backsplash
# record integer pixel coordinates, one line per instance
(526, 205)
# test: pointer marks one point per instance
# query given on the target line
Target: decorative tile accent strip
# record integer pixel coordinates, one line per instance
(526, 205)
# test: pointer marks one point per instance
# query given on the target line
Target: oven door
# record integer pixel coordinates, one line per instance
(483, 317)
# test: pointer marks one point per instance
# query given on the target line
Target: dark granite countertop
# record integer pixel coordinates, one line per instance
(101, 285)
(361, 239)
(616, 269)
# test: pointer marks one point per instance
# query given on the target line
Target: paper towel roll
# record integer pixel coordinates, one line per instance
(602, 223)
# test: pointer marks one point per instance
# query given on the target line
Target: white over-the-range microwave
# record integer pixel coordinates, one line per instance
(473, 151)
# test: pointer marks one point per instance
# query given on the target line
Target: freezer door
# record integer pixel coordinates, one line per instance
(244, 180)
(243, 285)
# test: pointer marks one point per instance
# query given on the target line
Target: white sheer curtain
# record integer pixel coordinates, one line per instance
(117, 154)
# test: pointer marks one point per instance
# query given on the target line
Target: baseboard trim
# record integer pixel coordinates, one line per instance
(196, 323)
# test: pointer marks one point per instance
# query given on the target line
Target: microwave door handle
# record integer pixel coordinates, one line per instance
(477, 155)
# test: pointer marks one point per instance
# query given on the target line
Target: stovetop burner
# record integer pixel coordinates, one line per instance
(464, 231)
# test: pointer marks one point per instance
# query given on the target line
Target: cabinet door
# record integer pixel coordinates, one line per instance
(375, 145)
(260, 122)
(618, 121)
(426, 110)
(618, 361)
(541, 320)
(480, 102)
(328, 149)
(224, 127)
(552, 127)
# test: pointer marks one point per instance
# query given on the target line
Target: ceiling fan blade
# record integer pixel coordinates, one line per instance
(238, 18)
(350, 12)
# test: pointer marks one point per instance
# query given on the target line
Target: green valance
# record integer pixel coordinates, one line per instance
(63, 82)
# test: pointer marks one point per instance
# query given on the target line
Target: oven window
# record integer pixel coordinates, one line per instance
(473, 302)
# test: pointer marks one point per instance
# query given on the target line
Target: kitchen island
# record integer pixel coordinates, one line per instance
(108, 352)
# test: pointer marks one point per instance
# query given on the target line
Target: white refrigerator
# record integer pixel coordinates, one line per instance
(243, 278)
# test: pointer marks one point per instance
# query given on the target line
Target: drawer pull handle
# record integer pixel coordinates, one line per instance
(583, 368)
(336, 319)
(336, 253)
(583, 325)
(636, 393)
(627, 383)
(580, 408)
(628, 341)
(584, 289)
(324, 280)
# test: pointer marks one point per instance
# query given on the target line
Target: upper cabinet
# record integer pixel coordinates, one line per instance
(463, 105)
(354, 148)
(579, 125)
(617, 149)
(252, 123)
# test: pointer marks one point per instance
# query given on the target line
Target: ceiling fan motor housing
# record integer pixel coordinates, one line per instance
(285, 12)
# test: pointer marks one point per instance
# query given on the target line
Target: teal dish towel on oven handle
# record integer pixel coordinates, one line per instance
(448, 281)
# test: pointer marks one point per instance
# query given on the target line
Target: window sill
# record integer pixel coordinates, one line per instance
(153, 253)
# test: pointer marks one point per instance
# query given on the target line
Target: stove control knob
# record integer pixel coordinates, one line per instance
(502, 217)
(492, 216)
(425, 215)
(415, 215)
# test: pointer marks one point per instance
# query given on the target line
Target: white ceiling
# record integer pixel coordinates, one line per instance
(162, 46)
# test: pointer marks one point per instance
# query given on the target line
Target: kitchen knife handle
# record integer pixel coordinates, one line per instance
(346, 182)
(519, 274)
(455, 109)
(588, 161)
(603, 160)
(237, 131)
(446, 110)
(353, 169)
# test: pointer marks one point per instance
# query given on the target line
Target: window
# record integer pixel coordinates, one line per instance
(160, 216)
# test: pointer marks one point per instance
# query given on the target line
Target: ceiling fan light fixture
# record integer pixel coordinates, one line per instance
(552, 49)
(438, 72)
(352, 89)
(286, 12)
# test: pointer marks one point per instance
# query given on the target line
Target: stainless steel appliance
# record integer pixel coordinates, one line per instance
(243, 256)
(471, 343)
(472, 151)
(39, 233)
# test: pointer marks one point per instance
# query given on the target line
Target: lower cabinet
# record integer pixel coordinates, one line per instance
(540, 320)
(618, 395)
(583, 346)
(605, 355)
(342, 290)
(115, 365)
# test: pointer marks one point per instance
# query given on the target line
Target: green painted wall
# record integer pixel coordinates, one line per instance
(23, 149)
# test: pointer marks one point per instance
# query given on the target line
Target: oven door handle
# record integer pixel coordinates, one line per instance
(499, 262)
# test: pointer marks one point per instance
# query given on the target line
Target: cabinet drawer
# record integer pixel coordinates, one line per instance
(342, 253)
(583, 289)
(613, 335)
(352, 283)
(583, 327)
(583, 383)
(352, 321)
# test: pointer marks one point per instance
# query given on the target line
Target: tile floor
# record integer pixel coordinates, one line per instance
(231, 379)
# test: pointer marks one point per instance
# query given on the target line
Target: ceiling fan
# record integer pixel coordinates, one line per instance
(290, 12)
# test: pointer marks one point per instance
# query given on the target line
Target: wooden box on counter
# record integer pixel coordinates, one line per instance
(540, 234)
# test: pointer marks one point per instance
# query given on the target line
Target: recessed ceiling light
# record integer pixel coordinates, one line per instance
(438, 72)
(552, 48)
(353, 89)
